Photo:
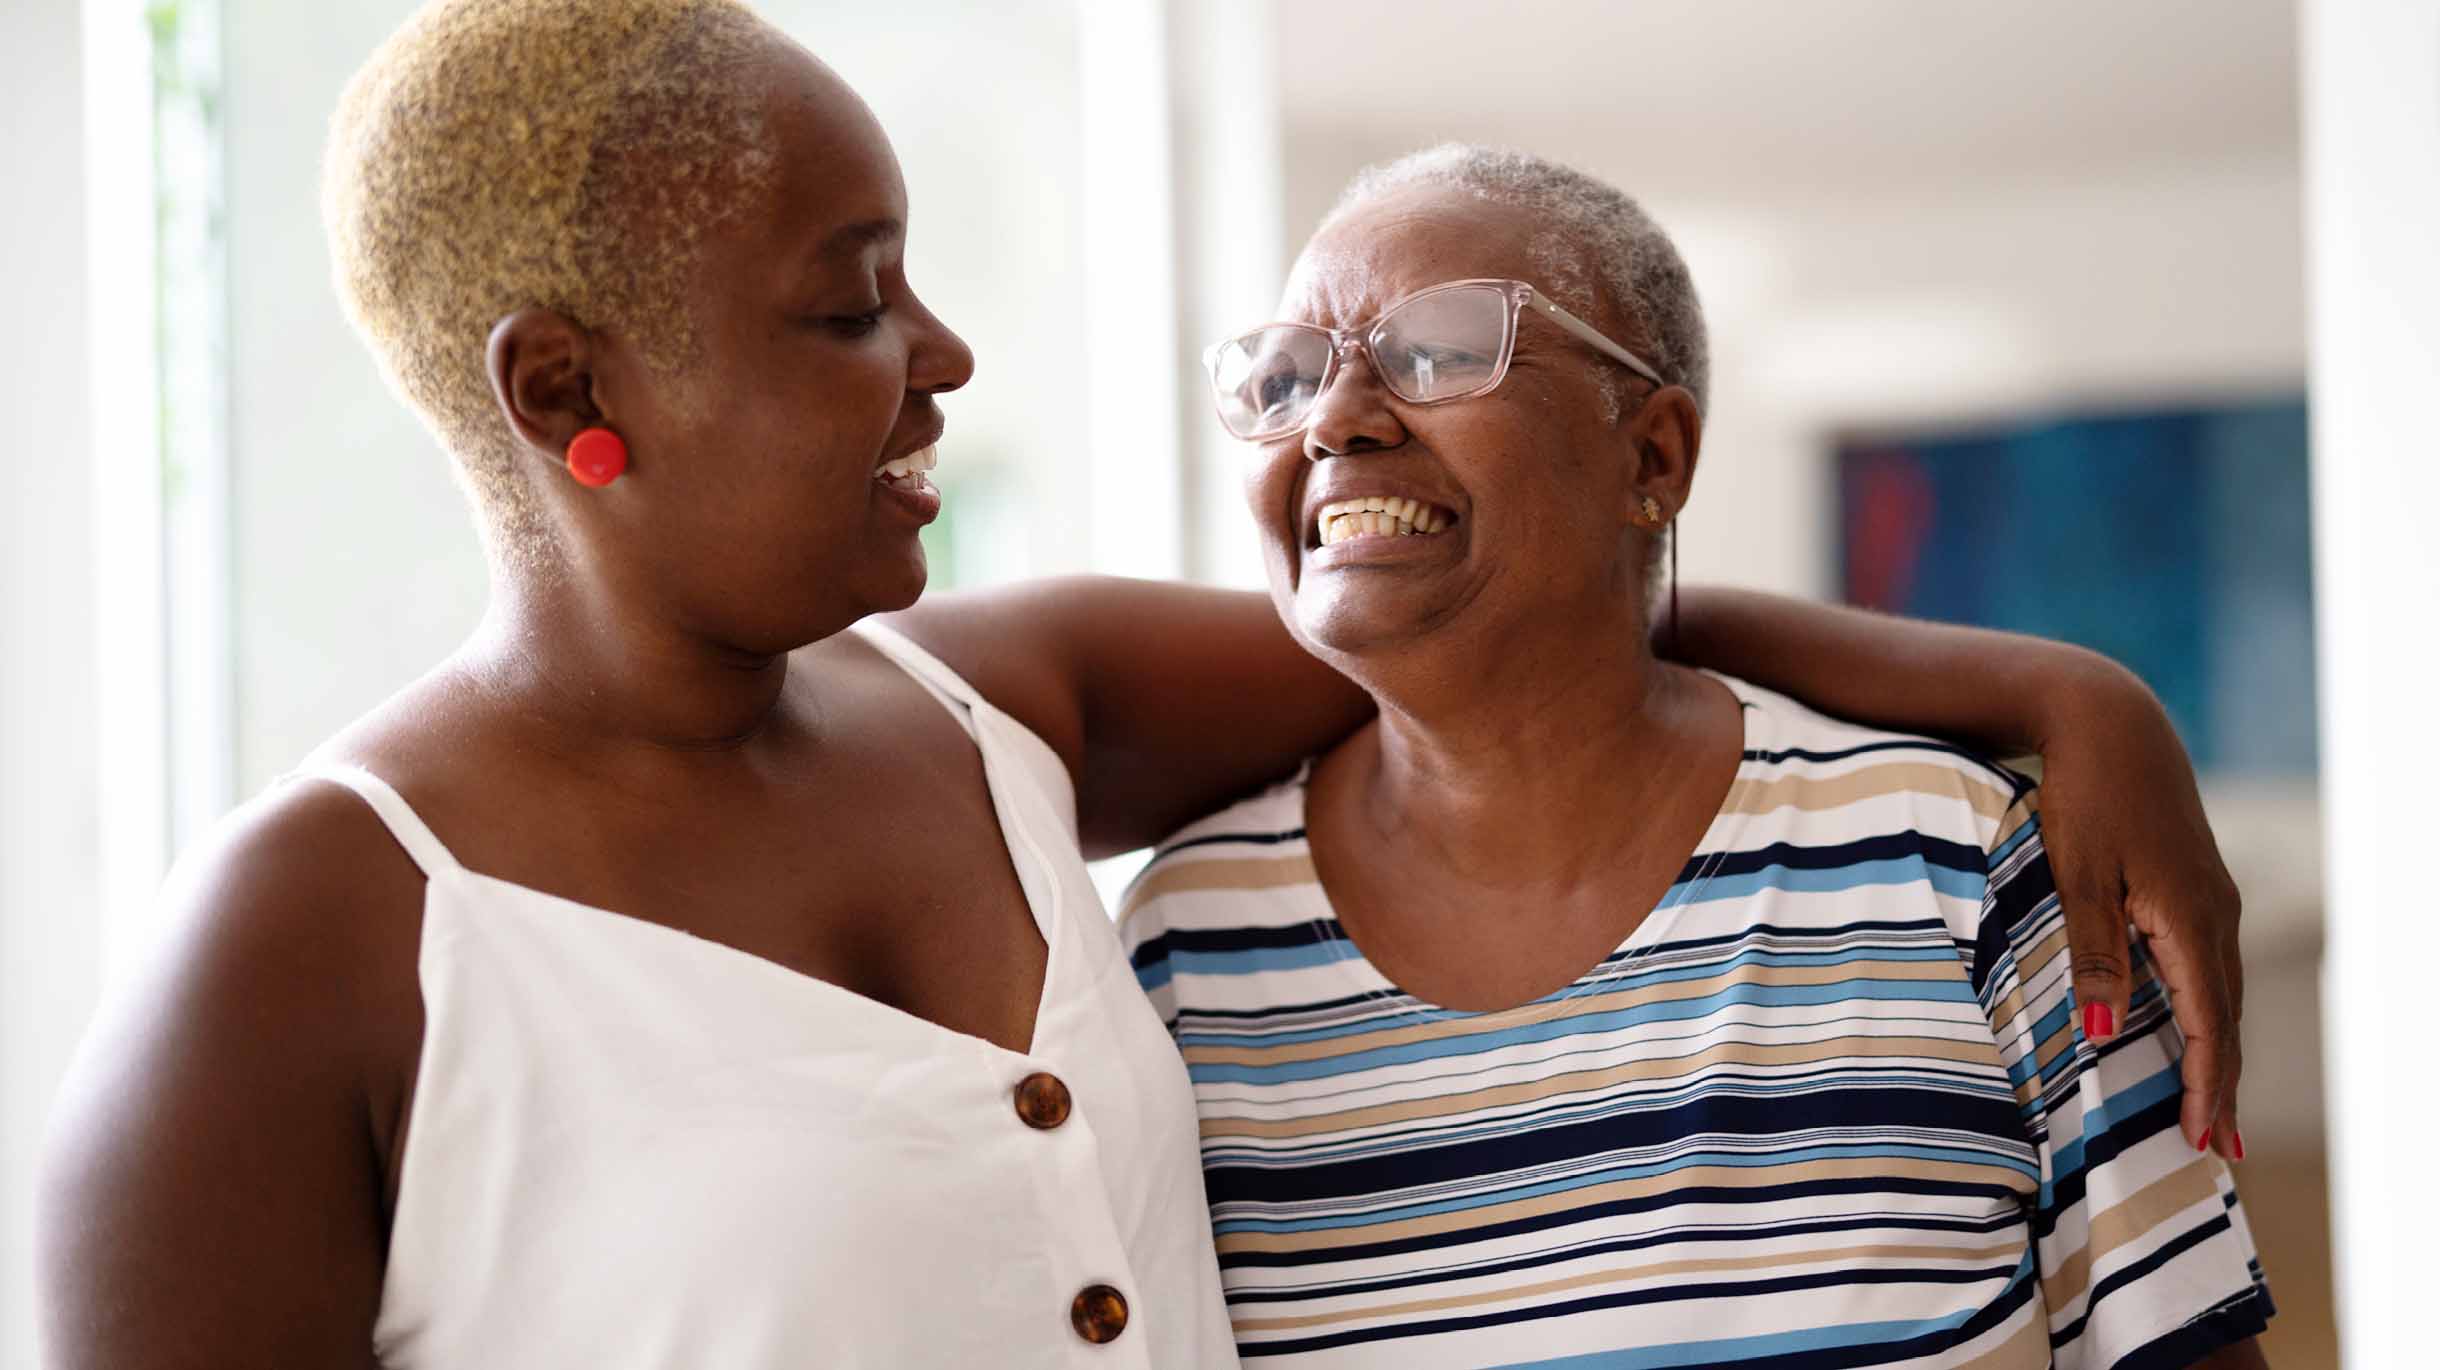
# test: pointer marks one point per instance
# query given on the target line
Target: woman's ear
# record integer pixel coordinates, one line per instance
(1667, 434)
(541, 367)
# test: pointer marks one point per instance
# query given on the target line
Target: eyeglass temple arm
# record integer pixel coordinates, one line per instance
(1595, 338)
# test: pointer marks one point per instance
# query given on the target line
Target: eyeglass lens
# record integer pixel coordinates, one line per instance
(1442, 344)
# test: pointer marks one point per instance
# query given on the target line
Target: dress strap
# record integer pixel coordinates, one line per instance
(929, 671)
(395, 814)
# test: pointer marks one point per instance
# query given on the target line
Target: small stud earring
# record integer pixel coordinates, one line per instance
(597, 457)
(1652, 510)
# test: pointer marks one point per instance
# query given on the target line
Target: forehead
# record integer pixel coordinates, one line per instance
(1400, 242)
(836, 168)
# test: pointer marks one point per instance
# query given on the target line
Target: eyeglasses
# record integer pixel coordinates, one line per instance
(1444, 342)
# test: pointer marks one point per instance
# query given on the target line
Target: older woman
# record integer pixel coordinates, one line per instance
(1585, 1009)
(689, 971)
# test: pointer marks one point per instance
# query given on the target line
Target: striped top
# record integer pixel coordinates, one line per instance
(1827, 1105)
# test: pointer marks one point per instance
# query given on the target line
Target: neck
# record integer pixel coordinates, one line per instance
(612, 676)
(1539, 761)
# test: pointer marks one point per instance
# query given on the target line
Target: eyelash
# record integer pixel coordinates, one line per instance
(856, 325)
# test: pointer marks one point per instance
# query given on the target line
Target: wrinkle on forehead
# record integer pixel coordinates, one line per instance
(1373, 254)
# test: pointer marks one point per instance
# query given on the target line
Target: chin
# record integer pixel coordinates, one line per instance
(1342, 627)
(900, 586)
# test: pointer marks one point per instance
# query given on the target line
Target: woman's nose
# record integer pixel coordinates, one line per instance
(939, 361)
(1352, 414)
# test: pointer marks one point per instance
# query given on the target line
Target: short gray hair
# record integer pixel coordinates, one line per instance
(1590, 223)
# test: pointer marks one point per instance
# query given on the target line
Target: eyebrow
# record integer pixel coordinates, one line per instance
(856, 237)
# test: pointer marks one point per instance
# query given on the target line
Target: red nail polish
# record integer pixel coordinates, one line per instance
(2100, 1024)
(2237, 1139)
(2205, 1144)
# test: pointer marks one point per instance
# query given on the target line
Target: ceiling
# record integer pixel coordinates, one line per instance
(1732, 96)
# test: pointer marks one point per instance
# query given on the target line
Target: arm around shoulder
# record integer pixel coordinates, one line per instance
(1166, 701)
(213, 1189)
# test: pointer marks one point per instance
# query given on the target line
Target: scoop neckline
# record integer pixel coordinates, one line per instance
(1329, 930)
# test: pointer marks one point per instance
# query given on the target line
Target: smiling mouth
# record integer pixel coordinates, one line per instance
(907, 472)
(1377, 516)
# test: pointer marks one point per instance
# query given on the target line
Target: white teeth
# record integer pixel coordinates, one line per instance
(1378, 516)
(912, 464)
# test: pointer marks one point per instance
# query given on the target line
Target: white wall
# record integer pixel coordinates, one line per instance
(49, 940)
(2372, 118)
(355, 564)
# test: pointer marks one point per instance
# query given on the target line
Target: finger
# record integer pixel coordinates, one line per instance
(2232, 971)
(2198, 1001)
(2225, 1137)
(2204, 1068)
(2097, 956)
(2231, 909)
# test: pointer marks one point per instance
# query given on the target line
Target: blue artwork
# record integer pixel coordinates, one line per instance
(2177, 541)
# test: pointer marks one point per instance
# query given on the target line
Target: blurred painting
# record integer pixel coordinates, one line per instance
(2176, 540)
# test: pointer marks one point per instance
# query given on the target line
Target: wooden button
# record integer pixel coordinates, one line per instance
(1099, 1313)
(1042, 1101)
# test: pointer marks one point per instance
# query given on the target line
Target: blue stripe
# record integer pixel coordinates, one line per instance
(1625, 983)
(1729, 1349)
(1254, 960)
(1906, 870)
(1616, 1020)
(2068, 1157)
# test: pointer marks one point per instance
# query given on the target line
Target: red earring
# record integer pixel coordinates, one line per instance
(597, 457)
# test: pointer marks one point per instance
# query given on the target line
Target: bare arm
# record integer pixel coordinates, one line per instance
(2122, 817)
(1999, 691)
(212, 1193)
(1166, 701)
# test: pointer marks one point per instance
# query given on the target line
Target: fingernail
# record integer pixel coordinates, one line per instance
(2205, 1144)
(2237, 1140)
(2100, 1024)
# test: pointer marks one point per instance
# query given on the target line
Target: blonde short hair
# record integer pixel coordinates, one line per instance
(567, 154)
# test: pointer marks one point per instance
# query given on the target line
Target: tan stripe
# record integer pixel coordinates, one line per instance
(1239, 873)
(2061, 1042)
(1587, 1081)
(2013, 816)
(2027, 1349)
(1692, 1177)
(2121, 1223)
(1813, 793)
(1441, 1028)
(1597, 1278)
(2010, 1007)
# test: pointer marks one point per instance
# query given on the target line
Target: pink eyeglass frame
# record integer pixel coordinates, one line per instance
(1518, 294)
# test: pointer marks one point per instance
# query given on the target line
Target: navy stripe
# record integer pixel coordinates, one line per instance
(1758, 1197)
(1566, 1253)
(1713, 1115)
(1220, 839)
(1863, 1355)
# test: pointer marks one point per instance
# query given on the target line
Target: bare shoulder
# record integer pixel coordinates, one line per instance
(309, 867)
(225, 1139)
(290, 930)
